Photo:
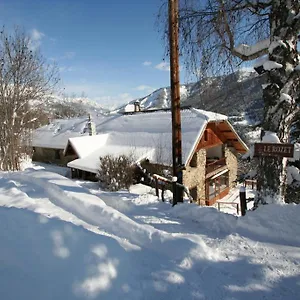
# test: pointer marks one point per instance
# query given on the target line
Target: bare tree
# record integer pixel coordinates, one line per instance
(25, 80)
(217, 35)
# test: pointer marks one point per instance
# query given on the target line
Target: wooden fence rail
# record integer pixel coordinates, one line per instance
(231, 203)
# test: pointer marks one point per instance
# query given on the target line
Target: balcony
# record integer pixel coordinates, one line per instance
(215, 165)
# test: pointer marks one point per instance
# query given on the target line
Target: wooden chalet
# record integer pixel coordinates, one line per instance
(210, 146)
(212, 169)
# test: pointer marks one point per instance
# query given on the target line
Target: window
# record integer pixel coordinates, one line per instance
(217, 185)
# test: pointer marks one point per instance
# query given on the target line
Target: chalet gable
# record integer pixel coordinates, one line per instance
(217, 133)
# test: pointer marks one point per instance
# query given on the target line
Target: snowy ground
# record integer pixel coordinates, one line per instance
(62, 239)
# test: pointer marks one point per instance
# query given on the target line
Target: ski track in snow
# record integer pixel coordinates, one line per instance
(161, 252)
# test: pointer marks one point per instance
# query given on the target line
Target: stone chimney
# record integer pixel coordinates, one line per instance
(91, 126)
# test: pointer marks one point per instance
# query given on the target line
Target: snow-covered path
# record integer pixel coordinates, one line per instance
(60, 240)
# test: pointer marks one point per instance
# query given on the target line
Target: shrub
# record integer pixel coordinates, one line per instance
(116, 173)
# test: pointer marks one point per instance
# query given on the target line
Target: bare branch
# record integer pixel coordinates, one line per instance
(25, 78)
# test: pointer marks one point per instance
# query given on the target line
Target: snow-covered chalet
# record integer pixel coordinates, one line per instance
(210, 146)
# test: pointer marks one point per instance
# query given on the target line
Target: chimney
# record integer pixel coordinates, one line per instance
(91, 126)
(137, 106)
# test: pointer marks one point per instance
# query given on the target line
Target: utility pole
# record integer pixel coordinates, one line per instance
(175, 99)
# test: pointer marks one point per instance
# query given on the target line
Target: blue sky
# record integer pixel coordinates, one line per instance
(109, 49)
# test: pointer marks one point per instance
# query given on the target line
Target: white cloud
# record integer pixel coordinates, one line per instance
(163, 66)
(143, 88)
(35, 39)
(36, 35)
(147, 63)
(66, 69)
(69, 55)
(65, 56)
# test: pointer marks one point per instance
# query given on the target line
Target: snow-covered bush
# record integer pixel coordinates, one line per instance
(116, 173)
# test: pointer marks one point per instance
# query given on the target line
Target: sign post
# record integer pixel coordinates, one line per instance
(273, 149)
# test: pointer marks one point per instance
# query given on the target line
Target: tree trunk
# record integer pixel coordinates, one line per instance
(281, 95)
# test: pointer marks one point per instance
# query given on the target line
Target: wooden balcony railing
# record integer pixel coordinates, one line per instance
(213, 165)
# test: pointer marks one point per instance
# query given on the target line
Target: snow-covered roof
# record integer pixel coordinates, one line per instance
(56, 134)
(84, 145)
(142, 133)
(91, 162)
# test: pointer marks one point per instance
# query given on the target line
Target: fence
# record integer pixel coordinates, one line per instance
(230, 203)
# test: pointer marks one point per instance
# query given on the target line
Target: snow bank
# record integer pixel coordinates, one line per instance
(208, 218)
(188, 252)
(272, 223)
(50, 259)
(89, 208)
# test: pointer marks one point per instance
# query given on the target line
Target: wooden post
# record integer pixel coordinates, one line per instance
(243, 200)
(175, 100)
(156, 187)
(162, 192)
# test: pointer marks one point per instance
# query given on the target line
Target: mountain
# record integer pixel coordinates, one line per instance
(60, 107)
(57, 107)
(238, 95)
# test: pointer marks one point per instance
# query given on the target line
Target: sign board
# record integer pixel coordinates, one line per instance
(272, 149)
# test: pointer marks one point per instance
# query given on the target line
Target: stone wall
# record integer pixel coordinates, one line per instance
(232, 164)
(53, 156)
(194, 177)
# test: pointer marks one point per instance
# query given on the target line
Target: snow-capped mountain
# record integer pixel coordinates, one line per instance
(61, 107)
(238, 95)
